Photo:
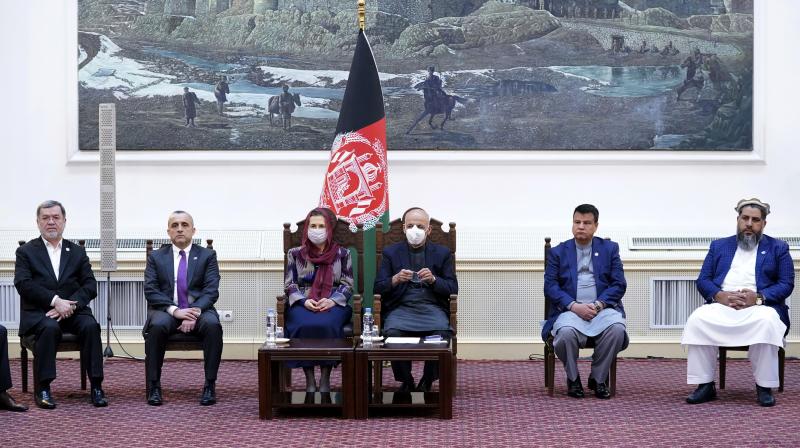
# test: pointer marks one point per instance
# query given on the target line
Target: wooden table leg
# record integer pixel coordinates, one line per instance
(361, 384)
(264, 386)
(445, 386)
(349, 399)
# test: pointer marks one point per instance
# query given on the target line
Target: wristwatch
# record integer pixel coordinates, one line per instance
(759, 298)
(597, 306)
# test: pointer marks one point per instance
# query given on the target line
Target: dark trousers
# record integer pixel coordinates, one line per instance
(160, 325)
(402, 369)
(48, 335)
(5, 370)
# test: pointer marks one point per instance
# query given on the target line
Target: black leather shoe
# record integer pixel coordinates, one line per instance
(601, 391)
(209, 395)
(765, 397)
(44, 399)
(406, 387)
(154, 399)
(99, 399)
(574, 388)
(424, 385)
(704, 392)
(8, 403)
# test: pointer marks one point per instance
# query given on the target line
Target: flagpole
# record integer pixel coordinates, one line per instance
(362, 14)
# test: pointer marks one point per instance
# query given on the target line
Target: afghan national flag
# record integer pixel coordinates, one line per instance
(356, 185)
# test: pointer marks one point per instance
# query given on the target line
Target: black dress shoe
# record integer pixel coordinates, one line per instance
(601, 391)
(704, 392)
(98, 397)
(406, 387)
(424, 385)
(209, 396)
(8, 403)
(574, 388)
(765, 397)
(44, 400)
(154, 398)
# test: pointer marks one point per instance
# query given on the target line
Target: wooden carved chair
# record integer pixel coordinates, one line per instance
(438, 235)
(550, 354)
(69, 343)
(178, 342)
(345, 238)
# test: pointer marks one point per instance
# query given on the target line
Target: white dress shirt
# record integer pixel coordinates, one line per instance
(55, 259)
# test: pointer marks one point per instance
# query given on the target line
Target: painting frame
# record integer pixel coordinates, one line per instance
(757, 156)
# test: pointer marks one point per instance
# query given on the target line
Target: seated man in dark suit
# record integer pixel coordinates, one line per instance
(415, 280)
(6, 401)
(584, 282)
(55, 283)
(181, 285)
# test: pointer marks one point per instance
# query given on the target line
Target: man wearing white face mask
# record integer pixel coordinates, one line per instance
(415, 280)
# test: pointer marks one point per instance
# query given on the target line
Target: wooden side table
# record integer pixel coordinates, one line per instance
(271, 394)
(370, 394)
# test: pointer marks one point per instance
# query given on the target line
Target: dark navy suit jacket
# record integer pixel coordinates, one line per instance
(202, 277)
(774, 272)
(561, 278)
(36, 281)
(396, 257)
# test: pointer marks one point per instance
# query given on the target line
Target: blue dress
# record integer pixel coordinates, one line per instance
(303, 323)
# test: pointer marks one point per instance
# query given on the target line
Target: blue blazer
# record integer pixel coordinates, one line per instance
(561, 278)
(774, 272)
(396, 257)
(202, 278)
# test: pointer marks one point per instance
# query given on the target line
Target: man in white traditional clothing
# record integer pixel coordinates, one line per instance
(745, 280)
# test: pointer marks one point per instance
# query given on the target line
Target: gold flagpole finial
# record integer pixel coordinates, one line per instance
(362, 13)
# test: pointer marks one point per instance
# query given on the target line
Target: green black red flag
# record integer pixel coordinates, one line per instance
(356, 184)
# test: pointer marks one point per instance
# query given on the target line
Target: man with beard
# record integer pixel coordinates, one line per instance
(745, 280)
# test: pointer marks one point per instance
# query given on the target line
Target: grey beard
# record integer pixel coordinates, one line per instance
(747, 242)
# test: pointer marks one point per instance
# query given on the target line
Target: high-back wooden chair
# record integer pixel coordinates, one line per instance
(345, 238)
(439, 236)
(549, 352)
(69, 343)
(178, 342)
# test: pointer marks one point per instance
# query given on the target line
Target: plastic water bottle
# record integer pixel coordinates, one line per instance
(272, 322)
(366, 327)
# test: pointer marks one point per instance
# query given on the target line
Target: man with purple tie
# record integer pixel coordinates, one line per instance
(181, 285)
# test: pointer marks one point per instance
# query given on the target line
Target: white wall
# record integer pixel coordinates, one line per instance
(649, 195)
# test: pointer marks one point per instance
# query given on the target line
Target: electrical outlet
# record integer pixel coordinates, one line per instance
(226, 315)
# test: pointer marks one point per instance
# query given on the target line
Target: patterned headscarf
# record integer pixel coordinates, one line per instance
(323, 279)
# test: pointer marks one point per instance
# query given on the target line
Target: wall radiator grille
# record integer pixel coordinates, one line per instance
(672, 300)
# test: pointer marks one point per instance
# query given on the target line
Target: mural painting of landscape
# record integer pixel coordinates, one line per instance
(507, 75)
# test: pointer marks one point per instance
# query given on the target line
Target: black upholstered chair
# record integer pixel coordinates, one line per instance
(549, 351)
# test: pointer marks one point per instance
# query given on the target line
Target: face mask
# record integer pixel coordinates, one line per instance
(317, 236)
(415, 236)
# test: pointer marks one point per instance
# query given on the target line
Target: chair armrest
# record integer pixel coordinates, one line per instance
(357, 310)
(280, 310)
(454, 312)
(376, 310)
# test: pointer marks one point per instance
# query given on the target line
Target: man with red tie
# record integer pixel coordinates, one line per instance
(181, 285)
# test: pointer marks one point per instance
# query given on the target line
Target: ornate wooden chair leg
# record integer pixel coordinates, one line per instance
(84, 374)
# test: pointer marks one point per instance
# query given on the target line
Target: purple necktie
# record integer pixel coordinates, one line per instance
(183, 287)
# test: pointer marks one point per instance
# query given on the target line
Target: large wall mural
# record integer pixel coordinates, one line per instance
(456, 74)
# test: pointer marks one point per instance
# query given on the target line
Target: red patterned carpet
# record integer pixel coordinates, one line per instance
(499, 404)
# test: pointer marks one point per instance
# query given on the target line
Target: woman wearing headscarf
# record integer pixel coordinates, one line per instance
(318, 284)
